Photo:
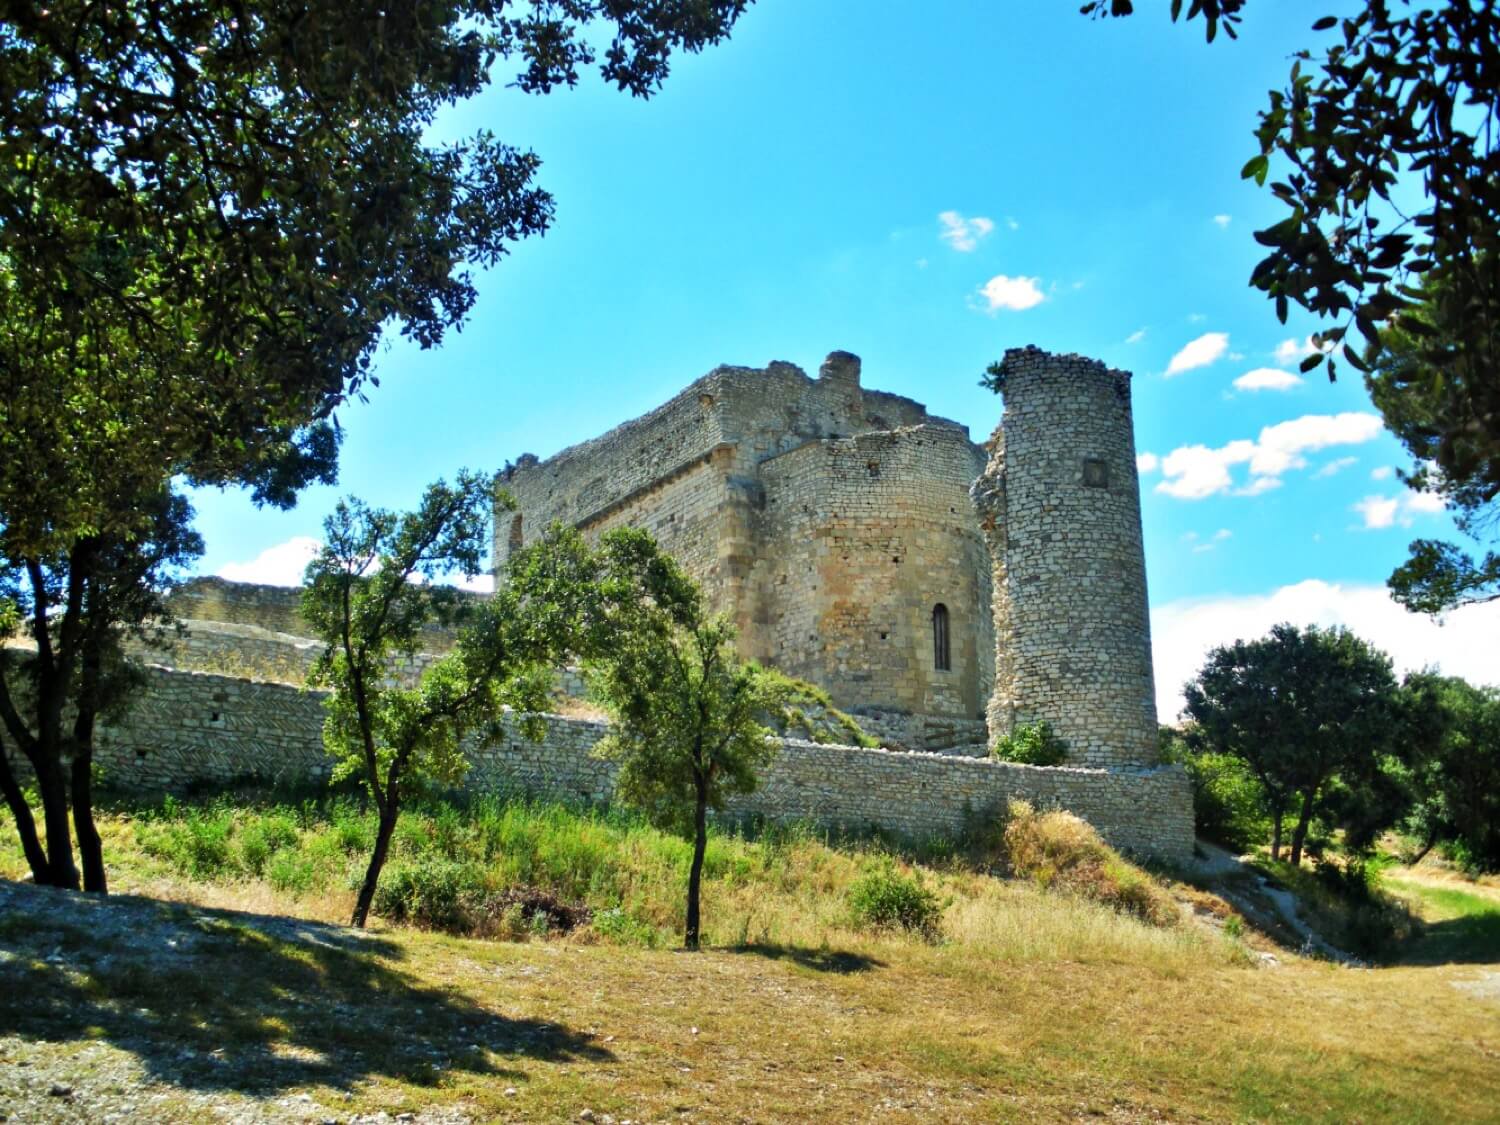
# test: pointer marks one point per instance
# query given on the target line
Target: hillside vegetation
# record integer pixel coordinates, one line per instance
(842, 981)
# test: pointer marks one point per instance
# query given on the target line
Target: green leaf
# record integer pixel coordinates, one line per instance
(1256, 168)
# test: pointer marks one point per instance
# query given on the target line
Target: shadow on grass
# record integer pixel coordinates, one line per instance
(819, 960)
(1471, 940)
(212, 999)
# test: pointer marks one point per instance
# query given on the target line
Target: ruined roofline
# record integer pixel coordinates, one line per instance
(701, 385)
(1068, 364)
(723, 383)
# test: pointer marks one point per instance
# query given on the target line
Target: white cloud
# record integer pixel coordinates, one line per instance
(921, 263)
(1268, 379)
(1194, 472)
(1334, 467)
(964, 234)
(1199, 353)
(1011, 223)
(479, 583)
(1147, 462)
(1386, 511)
(1384, 472)
(1290, 351)
(1182, 632)
(1222, 220)
(1258, 485)
(1016, 293)
(1136, 337)
(1427, 503)
(1196, 318)
(1378, 511)
(1220, 536)
(281, 565)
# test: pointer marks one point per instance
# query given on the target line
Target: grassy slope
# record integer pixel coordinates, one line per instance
(1035, 1006)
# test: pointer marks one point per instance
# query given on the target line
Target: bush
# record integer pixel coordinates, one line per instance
(430, 892)
(1229, 803)
(1057, 850)
(1031, 744)
(262, 837)
(885, 898)
(291, 871)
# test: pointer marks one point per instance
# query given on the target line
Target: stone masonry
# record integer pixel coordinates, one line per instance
(197, 728)
(1060, 506)
(927, 583)
(829, 521)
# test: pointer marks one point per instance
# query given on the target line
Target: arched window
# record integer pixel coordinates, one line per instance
(941, 657)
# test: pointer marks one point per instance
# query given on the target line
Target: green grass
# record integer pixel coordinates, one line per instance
(1459, 925)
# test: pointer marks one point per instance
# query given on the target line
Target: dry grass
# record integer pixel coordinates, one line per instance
(1057, 850)
(879, 1027)
(1035, 1006)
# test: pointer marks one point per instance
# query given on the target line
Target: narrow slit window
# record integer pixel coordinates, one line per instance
(515, 534)
(941, 657)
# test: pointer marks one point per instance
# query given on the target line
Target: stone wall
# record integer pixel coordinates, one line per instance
(252, 653)
(1060, 505)
(826, 520)
(197, 727)
(276, 609)
(876, 531)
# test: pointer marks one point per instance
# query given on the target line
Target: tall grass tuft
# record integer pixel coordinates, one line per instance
(1057, 850)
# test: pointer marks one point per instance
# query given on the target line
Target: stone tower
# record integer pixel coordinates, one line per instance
(1059, 504)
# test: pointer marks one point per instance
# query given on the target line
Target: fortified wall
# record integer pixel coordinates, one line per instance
(832, 523)
(927, 583)
(199, 728)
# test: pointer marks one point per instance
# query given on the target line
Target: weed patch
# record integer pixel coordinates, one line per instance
(1057, 850)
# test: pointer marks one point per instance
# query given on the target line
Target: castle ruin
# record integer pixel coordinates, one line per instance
(943, 591)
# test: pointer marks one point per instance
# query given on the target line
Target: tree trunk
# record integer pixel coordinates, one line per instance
(90, 847)
(1421, 855)
(61, 871)
(31, 845)
(1299, 834)
(377, 861)
(1276, 835)
(695, 873)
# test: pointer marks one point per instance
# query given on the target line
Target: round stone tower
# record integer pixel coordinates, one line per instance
(1060, 506)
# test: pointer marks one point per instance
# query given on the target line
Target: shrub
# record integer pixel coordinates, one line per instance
(1058, 850)
(619, 926)
(1229, 803)
(1031, 744)
(429, 892)
(291, 871)
(262, 837)
(885, 898)
(196, 845)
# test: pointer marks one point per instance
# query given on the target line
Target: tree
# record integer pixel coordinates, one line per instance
(1392, 229)
(209, 217)
(369, 592)
(1443, 410)
(77, 608)
(1298, 707)
(687, 715)
(1454, 740)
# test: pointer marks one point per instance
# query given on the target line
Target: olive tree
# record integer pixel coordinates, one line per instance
(687, 716)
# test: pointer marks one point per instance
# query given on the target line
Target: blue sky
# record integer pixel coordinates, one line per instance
(926, 186)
